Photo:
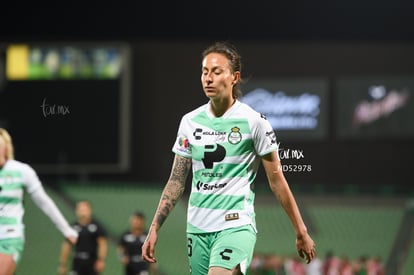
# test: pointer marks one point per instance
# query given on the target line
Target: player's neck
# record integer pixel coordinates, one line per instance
(85, 221)
(2, 162)
(219, 107)
(137, 231)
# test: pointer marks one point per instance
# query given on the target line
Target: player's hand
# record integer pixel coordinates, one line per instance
(62, 270)
(72, 240)
(148, 248)
(99, 265)
(306, 247)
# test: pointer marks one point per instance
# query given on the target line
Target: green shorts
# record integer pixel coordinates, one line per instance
(226, 249)
(12, 247)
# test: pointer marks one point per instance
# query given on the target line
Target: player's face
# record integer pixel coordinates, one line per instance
(217, 77)
(3, 151)
(83, 210)
(137, 222)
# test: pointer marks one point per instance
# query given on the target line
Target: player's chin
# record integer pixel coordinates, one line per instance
(210, 92)
(211, 96)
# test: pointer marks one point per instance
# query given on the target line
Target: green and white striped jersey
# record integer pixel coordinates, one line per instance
(225, 153)
(15, 177)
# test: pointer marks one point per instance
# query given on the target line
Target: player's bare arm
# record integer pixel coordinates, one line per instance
(172, 192)
(173, 189)
(280, 188)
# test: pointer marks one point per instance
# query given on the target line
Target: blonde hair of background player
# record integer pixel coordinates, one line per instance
(9, 144)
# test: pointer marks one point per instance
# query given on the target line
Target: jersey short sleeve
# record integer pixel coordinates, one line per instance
(263, 135)
(182, 143)
(31, 179)
(101, 231)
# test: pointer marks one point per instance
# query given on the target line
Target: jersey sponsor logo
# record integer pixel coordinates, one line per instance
(209, 187)
(212, 175)
(231, 217)
(198, 133)
(234, 136)
(227, 251)
(9, 179)
(272, 137)
(213, 153)
(214, 133)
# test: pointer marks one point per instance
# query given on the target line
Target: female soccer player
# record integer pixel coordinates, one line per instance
(15, 178)
(224, 142)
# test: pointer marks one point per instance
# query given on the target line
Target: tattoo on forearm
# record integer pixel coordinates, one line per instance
(180, 170)
(174, 188)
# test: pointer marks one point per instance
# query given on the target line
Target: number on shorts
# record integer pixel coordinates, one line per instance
(190, 246)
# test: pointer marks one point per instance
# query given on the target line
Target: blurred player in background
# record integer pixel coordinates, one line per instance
(91, 248)
(130, 245)
(224, 142)
(15, 178)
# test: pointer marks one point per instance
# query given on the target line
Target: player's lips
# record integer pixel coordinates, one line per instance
(209, 88)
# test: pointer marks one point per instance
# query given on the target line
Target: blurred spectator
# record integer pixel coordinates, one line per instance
(257, 264)
(294, 266)
(346, 266)
(331, 264)
(269, 264)
(273, 265)
(361, 266)
(314, 267)
(375, 266)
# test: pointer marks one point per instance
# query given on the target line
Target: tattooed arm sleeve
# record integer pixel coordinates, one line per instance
(173, 190)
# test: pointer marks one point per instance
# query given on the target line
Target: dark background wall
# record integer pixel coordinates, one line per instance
(247, 20)
(290, 38)
(367, 162)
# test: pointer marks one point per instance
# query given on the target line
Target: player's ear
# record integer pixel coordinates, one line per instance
(236, 77)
